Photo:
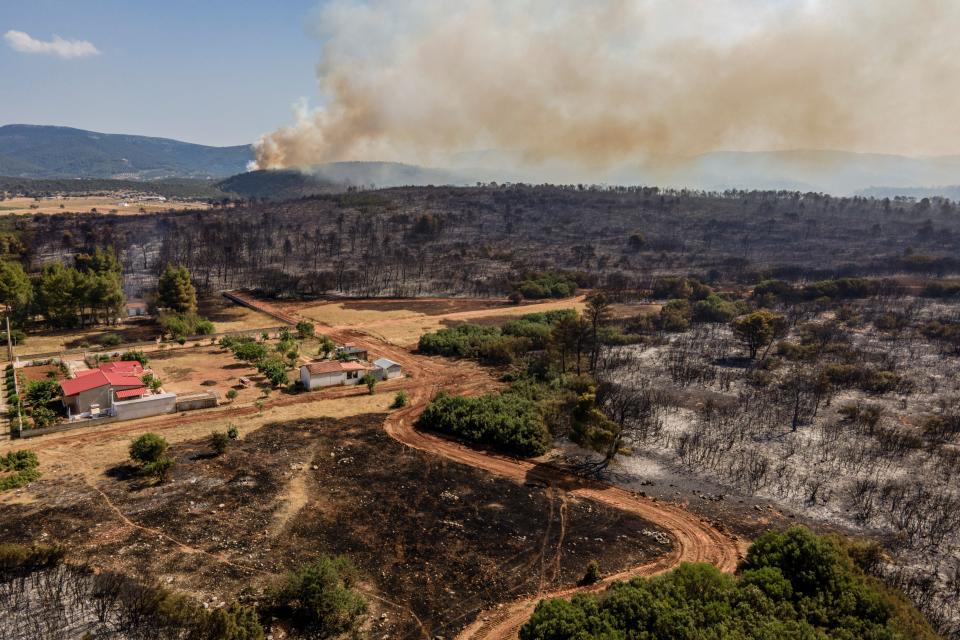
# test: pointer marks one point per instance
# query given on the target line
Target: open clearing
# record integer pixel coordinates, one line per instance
(84, 204)
(402, 322)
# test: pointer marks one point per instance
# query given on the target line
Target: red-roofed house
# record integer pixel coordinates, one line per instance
(102, 387)
(329, 373)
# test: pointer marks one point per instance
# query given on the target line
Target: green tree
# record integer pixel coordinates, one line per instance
(250, 351)
(371, 382)
(305, 329)
(791, 585)
(275, 370)
(60, 295)
(327, 346)
(40, 393)
(16, 291)
(597, 313)
(758, 329)
(175, 290)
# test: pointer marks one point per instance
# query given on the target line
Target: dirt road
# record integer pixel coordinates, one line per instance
(695, 540)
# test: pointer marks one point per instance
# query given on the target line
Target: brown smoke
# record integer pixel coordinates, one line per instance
(611, 81)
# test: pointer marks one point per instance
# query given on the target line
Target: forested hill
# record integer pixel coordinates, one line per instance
(35, 151)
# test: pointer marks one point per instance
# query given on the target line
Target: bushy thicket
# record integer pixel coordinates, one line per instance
(548, 284)
(21, 467)
(495, 345)
(792, 585)
(184, 325)
(508, 422)
(319, 598)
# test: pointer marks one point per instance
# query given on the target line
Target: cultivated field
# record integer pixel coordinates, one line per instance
(113, 204)
(402, 322)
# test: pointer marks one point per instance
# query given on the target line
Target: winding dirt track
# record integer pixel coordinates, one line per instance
(694, 539)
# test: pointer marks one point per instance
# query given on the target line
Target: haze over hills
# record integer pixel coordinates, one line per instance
(38, 151)
(44, 152)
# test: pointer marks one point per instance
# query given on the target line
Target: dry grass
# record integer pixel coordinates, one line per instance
(83, 204)
(109, 450)
(403, 327)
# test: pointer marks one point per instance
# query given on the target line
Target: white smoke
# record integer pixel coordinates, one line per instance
(609, 81)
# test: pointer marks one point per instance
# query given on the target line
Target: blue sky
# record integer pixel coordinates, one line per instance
(210, 71)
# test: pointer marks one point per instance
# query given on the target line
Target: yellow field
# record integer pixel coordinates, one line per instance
(84, 204)
(403, 327)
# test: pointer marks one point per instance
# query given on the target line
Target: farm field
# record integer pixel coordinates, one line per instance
(85, 204)
(402, 322)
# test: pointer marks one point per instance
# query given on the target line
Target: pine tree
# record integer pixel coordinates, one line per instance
(175, 291)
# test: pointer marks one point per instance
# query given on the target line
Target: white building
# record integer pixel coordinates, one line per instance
(386, 369)
(330, 373)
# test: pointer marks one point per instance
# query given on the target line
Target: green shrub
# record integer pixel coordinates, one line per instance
(545, 285)
(400, 400)
(675, 316)
(592, 574)
(148, 448)
(22, 466)
(319, 598)
(235, 622)
(139, 356)
(305, 329)
(250, 351)
(19, 559)
(232, 432)
(40, 393)
(111, 340)
(508, 422)
(219, 441)
(231, 394)
(182, 325)
(791, 585)
(159, 468)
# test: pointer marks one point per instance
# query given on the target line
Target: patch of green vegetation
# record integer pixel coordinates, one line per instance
(22, 468)
(508, 422)
(320, 599)
(547, 284)
(791, 585)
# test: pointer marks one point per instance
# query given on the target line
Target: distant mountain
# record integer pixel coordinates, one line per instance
(36, 151)
(950, 192)
(835, 172)
(334, 177)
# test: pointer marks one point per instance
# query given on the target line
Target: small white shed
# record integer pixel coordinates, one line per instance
(386, 369)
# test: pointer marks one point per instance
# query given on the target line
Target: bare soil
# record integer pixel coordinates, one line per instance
(436, 541)
(41, 372)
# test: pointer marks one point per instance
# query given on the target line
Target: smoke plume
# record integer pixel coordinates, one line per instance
(611, 81)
